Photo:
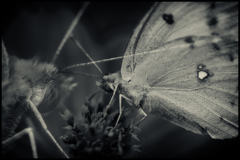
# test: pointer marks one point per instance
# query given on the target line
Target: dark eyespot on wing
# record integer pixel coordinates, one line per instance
(231, 57)
(189, 39)
(168, 18)
(212, 22)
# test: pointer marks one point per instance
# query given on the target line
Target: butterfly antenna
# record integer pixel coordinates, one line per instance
(84, 51)
(70, 29)
(81, 74)
(106, 60)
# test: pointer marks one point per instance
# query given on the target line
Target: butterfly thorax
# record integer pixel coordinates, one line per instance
(109, 82)
(134, 92)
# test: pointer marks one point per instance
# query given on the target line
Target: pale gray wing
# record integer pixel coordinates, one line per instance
(168, 21)
(193, 84)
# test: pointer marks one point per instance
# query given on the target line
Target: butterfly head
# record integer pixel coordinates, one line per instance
(105, 84)
(109, 82)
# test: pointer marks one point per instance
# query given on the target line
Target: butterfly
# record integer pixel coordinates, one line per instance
(181, 64)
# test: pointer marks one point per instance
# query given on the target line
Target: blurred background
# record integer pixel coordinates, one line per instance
(36, 29)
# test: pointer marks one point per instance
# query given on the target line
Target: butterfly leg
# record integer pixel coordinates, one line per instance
(120, 107)
(19, 135)
(144, 116)
(108, 106)
(120, 110)
(44, 126)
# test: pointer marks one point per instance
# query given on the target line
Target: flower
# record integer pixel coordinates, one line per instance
(92, 135)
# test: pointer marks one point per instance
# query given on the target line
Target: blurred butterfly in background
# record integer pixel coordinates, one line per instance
(181, 64)
(32, 85)
(27, 85)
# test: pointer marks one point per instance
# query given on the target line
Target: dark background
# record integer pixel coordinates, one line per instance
(30, 29)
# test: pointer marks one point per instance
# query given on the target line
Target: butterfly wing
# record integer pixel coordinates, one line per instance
(191, 81)
(168, 21)
(197, 89)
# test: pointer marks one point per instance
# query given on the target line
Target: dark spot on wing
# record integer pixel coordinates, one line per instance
(188, 39)
(213, 21)
(168, 18)
(215, 46)
(231, 57)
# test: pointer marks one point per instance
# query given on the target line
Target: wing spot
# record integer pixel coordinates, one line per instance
(202, 73)
(168, 18)
(231, 57)
(200, 67)
(212, 22)
(188, 39)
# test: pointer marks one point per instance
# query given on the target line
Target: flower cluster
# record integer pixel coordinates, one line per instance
(93, 135)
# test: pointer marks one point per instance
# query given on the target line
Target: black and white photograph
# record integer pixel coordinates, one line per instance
(119, 79)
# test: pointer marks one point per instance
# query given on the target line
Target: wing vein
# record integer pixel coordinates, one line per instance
(201, 118)
(218, 115)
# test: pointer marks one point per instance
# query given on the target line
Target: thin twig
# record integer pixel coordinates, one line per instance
(70, 29)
